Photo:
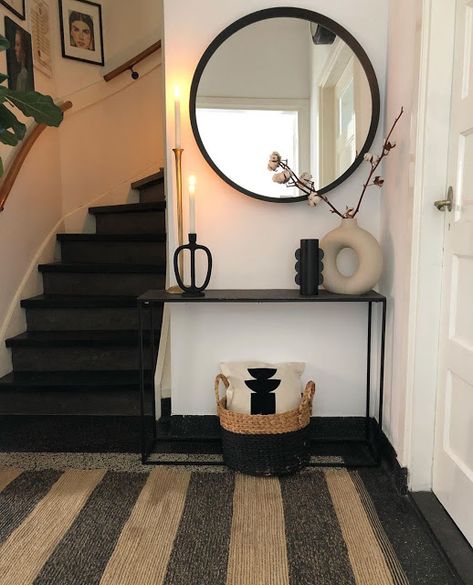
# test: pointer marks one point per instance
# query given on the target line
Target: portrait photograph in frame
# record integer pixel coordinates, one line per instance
(19, 57)
(81, 31)
(15, 6)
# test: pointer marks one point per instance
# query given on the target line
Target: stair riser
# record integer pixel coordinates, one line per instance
(94, 401)
(76, 319)
(138, 222)
(113, 252)
(153, 193)
(37, 359)
(97, 373)
(71, 283)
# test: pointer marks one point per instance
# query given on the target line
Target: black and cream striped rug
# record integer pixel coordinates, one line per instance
(177, 527)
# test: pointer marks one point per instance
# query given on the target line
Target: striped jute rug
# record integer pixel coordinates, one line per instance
(176, 527)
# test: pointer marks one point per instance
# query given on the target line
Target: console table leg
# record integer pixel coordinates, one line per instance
(368, 375)
(142, 384)
(153, 361)
(381, 372)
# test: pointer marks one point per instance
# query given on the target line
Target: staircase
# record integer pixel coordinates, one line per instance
(79, 355)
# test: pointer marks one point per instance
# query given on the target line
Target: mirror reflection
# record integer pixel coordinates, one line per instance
(286, 85)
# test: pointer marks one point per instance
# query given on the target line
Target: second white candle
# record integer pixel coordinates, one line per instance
(192, 186)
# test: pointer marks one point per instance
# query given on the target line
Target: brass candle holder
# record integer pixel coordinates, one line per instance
(180, 221)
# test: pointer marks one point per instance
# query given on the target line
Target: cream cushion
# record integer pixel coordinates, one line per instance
(287, 393)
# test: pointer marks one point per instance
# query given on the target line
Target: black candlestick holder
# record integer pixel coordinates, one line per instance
(193, 290)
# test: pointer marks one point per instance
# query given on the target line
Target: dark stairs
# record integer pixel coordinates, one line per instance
(80, 353)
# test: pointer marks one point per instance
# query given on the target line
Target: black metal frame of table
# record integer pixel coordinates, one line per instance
(156, 298)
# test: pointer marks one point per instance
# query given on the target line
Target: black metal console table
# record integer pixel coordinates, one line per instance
(154, 298)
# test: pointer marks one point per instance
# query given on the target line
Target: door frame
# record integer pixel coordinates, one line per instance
(426, 269)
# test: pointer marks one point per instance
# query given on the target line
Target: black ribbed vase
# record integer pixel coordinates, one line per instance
(309, 267)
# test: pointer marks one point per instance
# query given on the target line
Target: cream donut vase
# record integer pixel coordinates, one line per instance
(370, 259)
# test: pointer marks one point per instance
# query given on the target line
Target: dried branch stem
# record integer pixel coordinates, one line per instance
(308, 190)
(376, 165)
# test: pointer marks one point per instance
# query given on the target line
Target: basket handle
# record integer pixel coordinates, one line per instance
(307, 396)
(226, 383)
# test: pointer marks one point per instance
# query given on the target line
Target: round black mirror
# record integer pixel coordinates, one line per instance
(288, 80)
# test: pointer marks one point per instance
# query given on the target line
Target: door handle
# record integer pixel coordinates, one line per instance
(442, 204)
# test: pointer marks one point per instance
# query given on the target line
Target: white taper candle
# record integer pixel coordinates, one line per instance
(177, 117)
(192, 185)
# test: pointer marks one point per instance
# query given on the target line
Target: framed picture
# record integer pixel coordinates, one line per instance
(16, 6)
(81, 31)
(41, 35)
(19, 57)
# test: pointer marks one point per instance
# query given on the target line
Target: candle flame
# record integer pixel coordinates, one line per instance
(192, 184)
(177, 92)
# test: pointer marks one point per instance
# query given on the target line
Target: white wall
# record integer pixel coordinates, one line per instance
(112, 136)
(253, 242)
(116, 137)
(397, 207)
(131, 28)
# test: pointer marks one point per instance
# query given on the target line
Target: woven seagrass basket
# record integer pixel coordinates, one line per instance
(265, 444)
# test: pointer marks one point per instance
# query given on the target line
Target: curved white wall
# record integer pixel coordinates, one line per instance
(33, 208)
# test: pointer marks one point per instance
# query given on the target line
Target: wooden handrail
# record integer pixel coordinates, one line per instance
(20, 157)
(128, 65)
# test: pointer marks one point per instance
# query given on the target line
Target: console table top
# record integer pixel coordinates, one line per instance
(259, 296)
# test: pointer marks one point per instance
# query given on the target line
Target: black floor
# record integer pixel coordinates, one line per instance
(450, 540)
(105, 434)
(73, 434)
(419, 552)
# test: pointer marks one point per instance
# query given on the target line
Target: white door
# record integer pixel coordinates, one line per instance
(453, 453)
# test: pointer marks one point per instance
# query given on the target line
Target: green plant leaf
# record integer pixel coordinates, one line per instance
(8, 137)
(8, 120)
(4, 43)
(38, 106)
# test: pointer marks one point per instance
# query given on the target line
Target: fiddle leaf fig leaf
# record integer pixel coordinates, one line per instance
(31, 103)
(8, 121)
(8, 137)
(36, 105)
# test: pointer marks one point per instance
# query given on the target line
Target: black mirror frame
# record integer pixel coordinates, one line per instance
(304, 15)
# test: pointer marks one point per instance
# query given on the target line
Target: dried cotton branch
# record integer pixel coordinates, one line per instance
(305, 182)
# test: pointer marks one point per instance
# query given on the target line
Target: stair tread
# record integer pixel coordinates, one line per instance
(70, 302)
(96, 268)
(129, 207)
(149, 181)
(56, 367)
(71, 379)
(75, 338)
(111, 237)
